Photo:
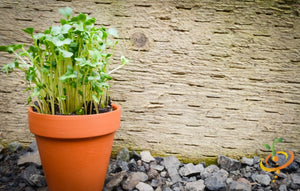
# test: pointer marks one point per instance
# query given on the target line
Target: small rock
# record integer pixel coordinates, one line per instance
(146, 156)
(172, 164)
(243, 180)
(247, 161)
(115, 180)
(296, 178)
(163, 174)
(238, 186)
(167, 189)
(159, 159)
(14, 146)
(208, 171)
(33, 146)
(144, 187)
(217, 181)
(133, 179)
(123, 155)
(191, 169)
(38, 180)
(157, 167)
(282, 187)
(122, 166)
(30, 157)
(135, 155)
(228, 163)
(30, 176)
(152, 173)
(195, 186)
(263, 179)
(256, 160)
(132, 165)
(1, 148)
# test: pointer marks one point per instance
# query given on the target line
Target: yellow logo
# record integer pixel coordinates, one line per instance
(276, 161)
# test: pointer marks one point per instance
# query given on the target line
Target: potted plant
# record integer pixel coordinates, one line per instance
(70, 113)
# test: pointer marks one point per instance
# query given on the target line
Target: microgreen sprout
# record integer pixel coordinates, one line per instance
(66, 67)
(274, 156)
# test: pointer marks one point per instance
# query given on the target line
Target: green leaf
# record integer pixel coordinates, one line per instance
(67, 12)
(4, 48)
(63, 21)
(279, 140)
(11, 48)
(91, 78)
(113, 32)
(69, 74)
(80, 92)
(124, 60)
(57, 42)
(65, 29)
(95, 98)
(90, 21)
(55, 30)
(8, 67)
(65, 54)
(267, 146)
(29, 30)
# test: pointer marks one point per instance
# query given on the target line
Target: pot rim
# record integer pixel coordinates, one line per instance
(74, 126)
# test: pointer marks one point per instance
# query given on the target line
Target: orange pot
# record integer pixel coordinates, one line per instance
(75, 150)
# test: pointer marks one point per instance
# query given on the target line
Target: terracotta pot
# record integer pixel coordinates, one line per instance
(75, 150)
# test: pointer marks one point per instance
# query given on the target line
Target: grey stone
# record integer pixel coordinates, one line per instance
(256, 160)
(217, 181)
(122, 165)
(1, 148)
(133, 179)
(30, 157)
(296, 178)
(146, 156)
(135, 155)
(132, 165)
(33, 146)
(38, 180)
(163, 174)
(144, 187)
(282, 187)
(228, 163)
(247, 161)
(157, 167)
(172, 164)
(191, 169)
(195, 186)
(177, 186)
(123, 155)
(208, 171)
(152, 173)
(238, 186)
(263, 179)
(14, 146)
(167, 189)
(29, 175)
(115, 180)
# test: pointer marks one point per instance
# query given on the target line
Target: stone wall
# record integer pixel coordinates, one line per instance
(205, 78)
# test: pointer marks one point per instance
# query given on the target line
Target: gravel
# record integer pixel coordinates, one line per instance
(20, 169)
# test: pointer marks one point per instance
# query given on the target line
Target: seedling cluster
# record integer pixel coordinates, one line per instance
(66, 67)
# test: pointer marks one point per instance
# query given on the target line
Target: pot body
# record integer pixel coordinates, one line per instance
(75, 150)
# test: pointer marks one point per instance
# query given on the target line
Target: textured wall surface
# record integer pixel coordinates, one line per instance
(205, 78)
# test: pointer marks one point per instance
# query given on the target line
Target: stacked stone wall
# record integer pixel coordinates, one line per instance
(205, 78)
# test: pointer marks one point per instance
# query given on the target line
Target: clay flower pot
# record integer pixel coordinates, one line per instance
(75, 150)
